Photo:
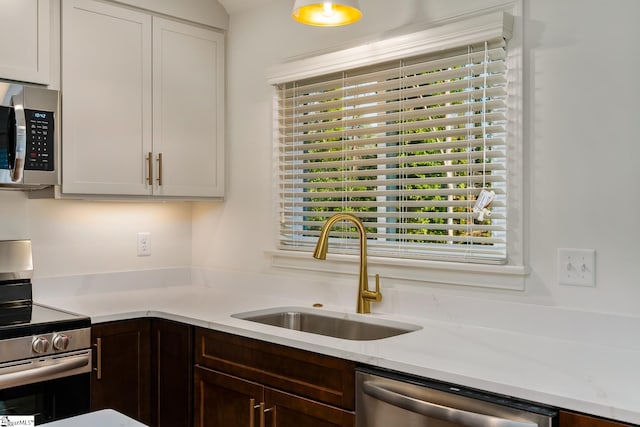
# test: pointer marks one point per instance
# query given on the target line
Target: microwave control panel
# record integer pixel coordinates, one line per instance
(40, 148)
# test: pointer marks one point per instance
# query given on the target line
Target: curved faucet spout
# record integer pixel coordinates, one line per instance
(365, 296)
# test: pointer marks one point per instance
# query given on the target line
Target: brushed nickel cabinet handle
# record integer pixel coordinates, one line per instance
(159, 168)
(98, 368)
(149, 160)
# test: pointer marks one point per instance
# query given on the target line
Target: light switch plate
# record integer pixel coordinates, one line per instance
(577, 267)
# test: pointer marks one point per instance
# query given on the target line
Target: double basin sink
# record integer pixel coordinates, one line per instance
(331, 324)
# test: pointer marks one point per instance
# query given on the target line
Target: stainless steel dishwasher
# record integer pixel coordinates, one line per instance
(385, 399)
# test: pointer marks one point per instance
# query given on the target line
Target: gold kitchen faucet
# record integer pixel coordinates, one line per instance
(365, 296)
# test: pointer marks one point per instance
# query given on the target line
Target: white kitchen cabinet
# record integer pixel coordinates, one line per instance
(25, 31)
(188, 109)
(143, 103)
(106, 98)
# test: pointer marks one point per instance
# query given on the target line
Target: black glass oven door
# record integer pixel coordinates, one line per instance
(49, 400)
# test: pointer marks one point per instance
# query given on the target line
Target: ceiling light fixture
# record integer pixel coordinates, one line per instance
(326, 13)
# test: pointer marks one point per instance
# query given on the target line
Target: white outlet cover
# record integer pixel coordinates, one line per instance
(144, 244)
(577, 267)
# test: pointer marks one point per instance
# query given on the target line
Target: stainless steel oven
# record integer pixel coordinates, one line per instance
(388, 399)
(29, 136)
(45, 355)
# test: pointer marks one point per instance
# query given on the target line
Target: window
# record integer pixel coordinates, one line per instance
(407, 142)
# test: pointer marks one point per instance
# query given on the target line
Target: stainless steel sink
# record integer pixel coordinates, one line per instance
(332, 324)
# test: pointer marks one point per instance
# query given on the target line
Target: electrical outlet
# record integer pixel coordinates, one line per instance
(576, 267)
(144, 244)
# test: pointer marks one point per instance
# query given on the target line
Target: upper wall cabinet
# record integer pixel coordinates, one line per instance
(188, 107)
(143, 102)
(25, 29)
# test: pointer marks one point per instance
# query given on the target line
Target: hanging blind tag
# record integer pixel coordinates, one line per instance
(482, 202)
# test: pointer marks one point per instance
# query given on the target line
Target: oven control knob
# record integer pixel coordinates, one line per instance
(40, 345)
(60, 342)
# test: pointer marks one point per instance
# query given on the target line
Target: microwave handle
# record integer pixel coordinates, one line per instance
(441, 412)
(17, 101)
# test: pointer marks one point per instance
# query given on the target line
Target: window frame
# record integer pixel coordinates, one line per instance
(505, 20)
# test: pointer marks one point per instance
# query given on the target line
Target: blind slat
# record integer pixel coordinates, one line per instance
(462, 77)
(383, 123)
(447, 98)
(337, 99)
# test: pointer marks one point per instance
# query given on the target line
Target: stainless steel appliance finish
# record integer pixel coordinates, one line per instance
(29, 136)
(15, 260)
(13, 374)
(332, 324)
(387, 399)
(45, 354)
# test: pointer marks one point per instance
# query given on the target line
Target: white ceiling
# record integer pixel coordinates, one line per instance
(234, 6)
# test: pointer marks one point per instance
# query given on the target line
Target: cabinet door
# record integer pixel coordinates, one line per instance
(106, 82)
(303, 373)
(121, 377)
(571, 419)
(172, 373)
(24, 40)
(188, 110)
(223, 400)
(287, 410)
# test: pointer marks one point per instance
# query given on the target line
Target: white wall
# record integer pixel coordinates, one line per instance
(571, 47)
(81, 237)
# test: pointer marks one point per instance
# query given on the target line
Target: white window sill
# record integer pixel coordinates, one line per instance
(509, 277)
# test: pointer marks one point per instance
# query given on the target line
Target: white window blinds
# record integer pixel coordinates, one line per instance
(407, 146)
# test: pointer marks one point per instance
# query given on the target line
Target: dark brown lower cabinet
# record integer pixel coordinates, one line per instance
(143, 368)
(225, 400)
(243, 382)
(572, 419)
(121, 377)
(288, 410)
(172, 374)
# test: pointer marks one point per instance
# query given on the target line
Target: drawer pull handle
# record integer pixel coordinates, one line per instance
(98, 368)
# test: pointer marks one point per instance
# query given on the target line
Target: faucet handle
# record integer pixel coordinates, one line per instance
(378, 293)
(374, 295)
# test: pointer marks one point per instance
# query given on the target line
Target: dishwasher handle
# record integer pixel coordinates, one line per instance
(433, 410)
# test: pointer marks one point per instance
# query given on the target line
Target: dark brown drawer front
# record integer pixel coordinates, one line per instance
(322, 378)
(570, 419)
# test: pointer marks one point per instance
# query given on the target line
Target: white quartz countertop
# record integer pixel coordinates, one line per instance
(102, 418)
(568, 371)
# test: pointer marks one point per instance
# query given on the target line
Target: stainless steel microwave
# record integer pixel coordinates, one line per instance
(29, 136)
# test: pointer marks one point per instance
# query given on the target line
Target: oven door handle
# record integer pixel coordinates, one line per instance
(433, 410)
(44, 369)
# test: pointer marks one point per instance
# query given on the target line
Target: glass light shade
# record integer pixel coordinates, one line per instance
(326, 13)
